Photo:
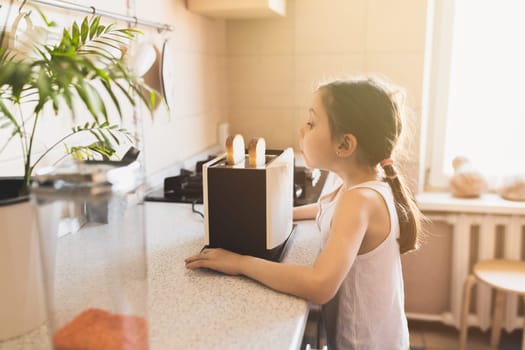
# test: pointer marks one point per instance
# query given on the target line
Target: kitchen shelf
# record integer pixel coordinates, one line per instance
(238, 9)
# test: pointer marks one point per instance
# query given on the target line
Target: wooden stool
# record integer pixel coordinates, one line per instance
(505, 276)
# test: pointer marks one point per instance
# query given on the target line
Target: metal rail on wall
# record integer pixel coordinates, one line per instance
(66, 5)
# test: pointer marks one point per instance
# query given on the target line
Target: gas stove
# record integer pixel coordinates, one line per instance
(187, 186)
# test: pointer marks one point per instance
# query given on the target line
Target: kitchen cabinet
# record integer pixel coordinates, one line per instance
(238, 9)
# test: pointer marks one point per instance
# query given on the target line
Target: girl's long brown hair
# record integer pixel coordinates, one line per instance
(371, 110)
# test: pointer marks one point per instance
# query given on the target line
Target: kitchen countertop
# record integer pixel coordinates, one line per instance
(202, 309)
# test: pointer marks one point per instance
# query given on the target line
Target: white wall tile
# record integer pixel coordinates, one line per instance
(199, 83)
(318, 67)
(222, 88)
(310, 70)
(274, 124)
(249, 37)
(395, 25)
(273, 36)
(260, 37)
(330, 26)
(300, 119)
(260, 81)
(242, 37)
(277, 37)
(153, 10)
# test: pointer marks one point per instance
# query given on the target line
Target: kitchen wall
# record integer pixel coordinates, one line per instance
(274, 64)
(199, 86)
(197, 67)
(259, 74)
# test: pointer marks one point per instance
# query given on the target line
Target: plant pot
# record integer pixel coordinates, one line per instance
(21, 289)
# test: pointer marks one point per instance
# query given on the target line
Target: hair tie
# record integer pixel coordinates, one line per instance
(386, 162)
(388, 166)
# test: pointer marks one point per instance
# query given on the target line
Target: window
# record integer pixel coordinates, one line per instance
(475, 88)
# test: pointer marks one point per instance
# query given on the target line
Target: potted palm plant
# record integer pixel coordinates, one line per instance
(84, 68)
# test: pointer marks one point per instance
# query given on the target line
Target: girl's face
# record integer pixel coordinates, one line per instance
(315, 139)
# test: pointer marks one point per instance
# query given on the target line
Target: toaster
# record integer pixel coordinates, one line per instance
(248, 210)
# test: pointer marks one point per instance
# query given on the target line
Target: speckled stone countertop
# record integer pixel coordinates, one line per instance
(202, 309)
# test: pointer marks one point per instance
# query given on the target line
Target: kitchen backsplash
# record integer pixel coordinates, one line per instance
(258, 74)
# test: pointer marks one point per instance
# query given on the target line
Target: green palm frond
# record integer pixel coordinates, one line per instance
(89, 151)
(88, 54)
(106, 135)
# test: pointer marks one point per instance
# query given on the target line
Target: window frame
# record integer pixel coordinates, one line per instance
(436, 82)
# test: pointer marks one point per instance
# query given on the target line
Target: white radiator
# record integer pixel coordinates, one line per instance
(478, 237)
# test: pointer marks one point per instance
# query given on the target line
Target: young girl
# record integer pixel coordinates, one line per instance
(366, 223)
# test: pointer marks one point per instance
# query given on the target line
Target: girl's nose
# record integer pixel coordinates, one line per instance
(301, 131)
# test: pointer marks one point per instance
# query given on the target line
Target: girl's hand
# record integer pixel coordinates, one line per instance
(216, 259)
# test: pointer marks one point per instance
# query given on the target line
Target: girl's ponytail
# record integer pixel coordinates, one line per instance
(408, 213)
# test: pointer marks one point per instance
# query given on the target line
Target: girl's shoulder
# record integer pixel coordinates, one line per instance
(370, 205)
(370, 195)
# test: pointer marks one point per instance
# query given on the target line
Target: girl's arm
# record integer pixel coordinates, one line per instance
(305, 212)
(309, 211)
(317, 283)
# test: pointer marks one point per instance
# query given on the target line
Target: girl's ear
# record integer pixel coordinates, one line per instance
(346, 146)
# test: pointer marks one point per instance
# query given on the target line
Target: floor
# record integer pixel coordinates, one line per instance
(429, 336)
(436, 336)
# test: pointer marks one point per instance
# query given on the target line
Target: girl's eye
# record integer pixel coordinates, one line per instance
(310, 125)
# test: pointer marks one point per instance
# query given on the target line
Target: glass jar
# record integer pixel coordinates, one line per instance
(93, 248)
